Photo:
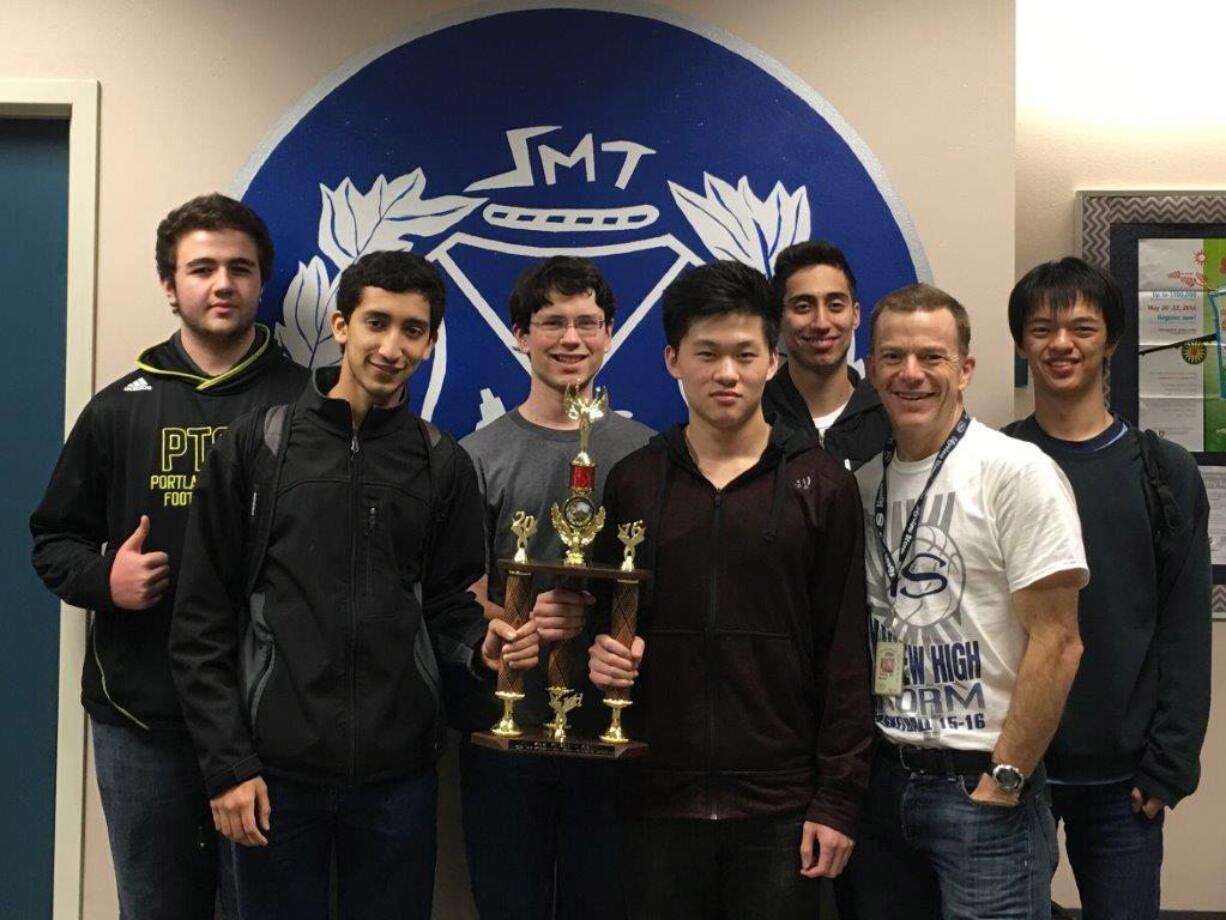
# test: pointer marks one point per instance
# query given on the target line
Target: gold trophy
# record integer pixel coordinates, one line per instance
(577, 521)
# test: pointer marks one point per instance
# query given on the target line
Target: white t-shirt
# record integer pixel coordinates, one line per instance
(999, 516)
(823, 422)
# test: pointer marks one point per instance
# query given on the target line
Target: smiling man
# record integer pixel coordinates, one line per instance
(816, 391)
(750, 674)
(328, 557)
(1129, 743)
(540, 832)
(974, 559)
(124, 482)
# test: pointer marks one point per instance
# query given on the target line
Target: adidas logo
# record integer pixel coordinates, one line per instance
(139, 385)
(804, 483)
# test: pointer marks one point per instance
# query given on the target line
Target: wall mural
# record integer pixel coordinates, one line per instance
(644, 142)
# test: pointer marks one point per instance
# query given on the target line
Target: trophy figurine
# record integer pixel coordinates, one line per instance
(577, 520)
(623, 622)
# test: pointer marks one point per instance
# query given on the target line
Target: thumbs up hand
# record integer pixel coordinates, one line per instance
(138, 579)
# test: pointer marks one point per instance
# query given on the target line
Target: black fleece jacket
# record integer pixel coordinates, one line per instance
(857, 435)
(136, 449)
(327, 672)
(754, 688)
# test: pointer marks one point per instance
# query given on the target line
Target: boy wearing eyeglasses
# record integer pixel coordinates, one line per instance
(539, 831)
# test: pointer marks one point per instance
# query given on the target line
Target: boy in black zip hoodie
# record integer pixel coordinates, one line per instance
(124, 482)
(329, 553)
(751, 669)
(1128, 746)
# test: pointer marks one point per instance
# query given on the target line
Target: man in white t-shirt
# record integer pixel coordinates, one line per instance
(974, 560)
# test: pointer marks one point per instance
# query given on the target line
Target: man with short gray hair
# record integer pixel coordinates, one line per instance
(974, 559)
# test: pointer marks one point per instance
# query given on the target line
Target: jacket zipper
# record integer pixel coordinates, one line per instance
(355, 484)
(371, 520)
(102, 679)
(712, 657)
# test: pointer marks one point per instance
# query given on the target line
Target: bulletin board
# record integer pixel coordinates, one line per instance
(1167, 250)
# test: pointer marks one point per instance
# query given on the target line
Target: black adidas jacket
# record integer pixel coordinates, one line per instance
(136, 449)
(326, 671)
(856, 436)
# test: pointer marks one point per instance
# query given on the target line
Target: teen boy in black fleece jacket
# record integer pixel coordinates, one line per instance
(1128, 746)
(315, 701)
(816, 391)
(124, 480)
(753, 690)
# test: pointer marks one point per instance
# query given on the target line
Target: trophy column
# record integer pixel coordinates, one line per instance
(510, 681)
(623, 620)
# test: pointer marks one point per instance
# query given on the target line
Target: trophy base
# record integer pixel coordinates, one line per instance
(540, 741)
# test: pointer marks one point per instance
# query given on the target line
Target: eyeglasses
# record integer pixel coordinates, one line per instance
(557, 325)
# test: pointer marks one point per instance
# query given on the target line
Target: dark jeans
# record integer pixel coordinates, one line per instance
(926, 851)
(1116, 856)
(540, 834)
(738, 869)
(384, 840)
(158, 821)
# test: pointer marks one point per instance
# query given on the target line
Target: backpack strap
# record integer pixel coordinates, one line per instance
(1165, 518)
(265, 480)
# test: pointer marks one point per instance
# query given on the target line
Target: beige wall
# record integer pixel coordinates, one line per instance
(1113, 96)
(189, 90)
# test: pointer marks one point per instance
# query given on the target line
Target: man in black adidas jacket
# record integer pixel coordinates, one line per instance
(1128, 746)
(124, 482)
(329, 553)
(816, 392)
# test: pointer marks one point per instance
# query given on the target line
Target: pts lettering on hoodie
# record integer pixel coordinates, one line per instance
(181, 455)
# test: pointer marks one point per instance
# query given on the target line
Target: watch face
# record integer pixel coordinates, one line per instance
(1007, 777)
(578, 510)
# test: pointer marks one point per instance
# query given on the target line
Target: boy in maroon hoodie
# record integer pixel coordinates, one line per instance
(751, 670)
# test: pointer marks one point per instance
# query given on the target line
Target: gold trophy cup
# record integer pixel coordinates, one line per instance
(577, 520)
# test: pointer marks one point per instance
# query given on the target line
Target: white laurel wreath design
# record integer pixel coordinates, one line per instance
(733, 223)
(350, 225)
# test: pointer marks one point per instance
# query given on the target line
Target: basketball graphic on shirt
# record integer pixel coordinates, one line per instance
(930, 583)
(931, 578)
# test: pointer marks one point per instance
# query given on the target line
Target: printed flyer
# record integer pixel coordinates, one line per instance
(1181, 375)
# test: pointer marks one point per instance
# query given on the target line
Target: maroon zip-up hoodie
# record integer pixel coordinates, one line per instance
(754, 690)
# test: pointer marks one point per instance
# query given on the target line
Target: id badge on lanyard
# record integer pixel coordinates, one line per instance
(888, 654)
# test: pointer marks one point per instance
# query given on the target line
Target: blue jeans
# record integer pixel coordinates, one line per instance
(742, 868)
(1116, 856)
(926, 851)
(384, 840)
(158, 822)
(540, 834)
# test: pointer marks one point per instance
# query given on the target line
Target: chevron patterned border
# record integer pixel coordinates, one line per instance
(1099, 210)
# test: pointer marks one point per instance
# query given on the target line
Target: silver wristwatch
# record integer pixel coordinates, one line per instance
(1008, 778)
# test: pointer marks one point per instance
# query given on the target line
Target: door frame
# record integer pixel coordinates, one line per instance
(77, 102)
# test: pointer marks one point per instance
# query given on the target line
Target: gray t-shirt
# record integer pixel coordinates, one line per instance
(526, 467)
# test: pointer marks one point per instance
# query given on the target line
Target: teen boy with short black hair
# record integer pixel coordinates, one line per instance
(539, 831)
(751, 667)
(124, 481)
(329, 554)
(816, 391)
(1129, 742)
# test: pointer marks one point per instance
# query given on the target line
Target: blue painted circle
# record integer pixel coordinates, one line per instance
(443, 102)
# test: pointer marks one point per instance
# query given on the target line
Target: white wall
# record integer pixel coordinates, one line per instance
(1122, 96)
(188, 90)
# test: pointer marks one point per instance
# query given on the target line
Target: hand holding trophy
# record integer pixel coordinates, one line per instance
(577, 520)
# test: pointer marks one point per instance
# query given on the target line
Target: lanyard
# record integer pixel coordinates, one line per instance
(879, 508)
